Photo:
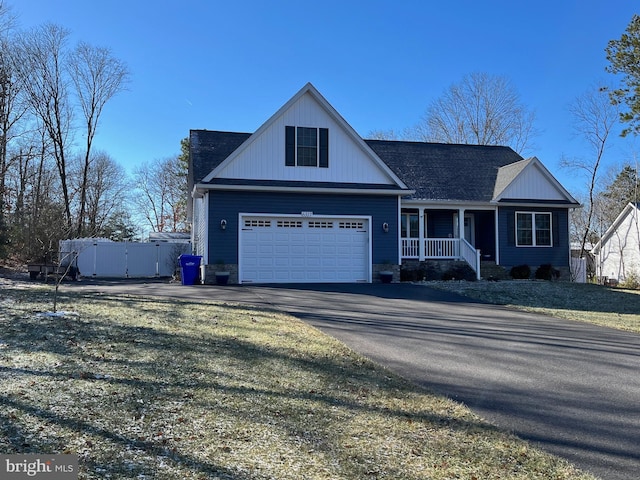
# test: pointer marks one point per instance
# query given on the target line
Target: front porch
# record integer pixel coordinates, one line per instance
(434, 234)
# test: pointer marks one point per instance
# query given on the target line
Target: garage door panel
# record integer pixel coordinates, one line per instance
(313, 262)
(265, 261)
(329, 262)
(281, 250)
(297, 262)
(299, 250)
(280, 262)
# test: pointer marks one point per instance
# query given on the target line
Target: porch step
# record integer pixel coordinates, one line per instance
(491, 271)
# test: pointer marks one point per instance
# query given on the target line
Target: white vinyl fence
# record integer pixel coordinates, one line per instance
(100, 258)
(579, 270)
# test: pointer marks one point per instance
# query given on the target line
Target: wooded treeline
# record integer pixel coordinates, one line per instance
(53, 183)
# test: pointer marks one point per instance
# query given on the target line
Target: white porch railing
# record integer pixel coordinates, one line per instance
(442, 249)
(470, 255)
(410, 248)
(432, 248)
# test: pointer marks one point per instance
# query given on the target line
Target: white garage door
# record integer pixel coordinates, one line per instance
(303, 249)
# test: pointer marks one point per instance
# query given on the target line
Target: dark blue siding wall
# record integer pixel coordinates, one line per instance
(510, 255)
(439, 223)
(223, 244)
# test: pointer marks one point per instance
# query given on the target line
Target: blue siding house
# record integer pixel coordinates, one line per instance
(306, 199)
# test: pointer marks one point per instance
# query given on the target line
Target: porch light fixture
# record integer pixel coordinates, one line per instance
(385, 227)
(223, 224)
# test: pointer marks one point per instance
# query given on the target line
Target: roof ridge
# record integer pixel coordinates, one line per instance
(419, 142)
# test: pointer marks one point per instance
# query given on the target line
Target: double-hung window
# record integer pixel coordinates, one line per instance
(307, 147)
(409, 225)
(533, 229)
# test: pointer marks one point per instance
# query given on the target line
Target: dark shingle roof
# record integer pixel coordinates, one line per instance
(435, 171)
(209, 148)
(438, 171)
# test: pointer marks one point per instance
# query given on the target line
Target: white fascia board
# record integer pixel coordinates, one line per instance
(534, 162)
(614, 226)
(302, 189)
(416, 203)
(332, 112)
(197, 192)
(534, 204)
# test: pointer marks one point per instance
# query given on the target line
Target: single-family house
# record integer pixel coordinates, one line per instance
(305, 199)
(617, 254)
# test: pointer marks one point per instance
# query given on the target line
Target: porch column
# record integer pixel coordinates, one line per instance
(497, 234)
(460, 229)
(421, 246)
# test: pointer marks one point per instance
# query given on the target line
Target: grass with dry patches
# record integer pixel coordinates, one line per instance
(606, 306)
(165, 389)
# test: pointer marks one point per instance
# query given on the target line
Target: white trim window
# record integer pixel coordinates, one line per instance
(409, 224)
(306, 147)
(533, 229)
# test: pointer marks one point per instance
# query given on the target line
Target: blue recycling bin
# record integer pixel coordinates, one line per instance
(189, 268)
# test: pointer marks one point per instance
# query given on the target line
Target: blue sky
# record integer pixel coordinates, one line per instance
(224, 65)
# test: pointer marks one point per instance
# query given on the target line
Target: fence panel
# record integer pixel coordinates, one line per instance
(111, 259)
(122, 259)
(142, 259)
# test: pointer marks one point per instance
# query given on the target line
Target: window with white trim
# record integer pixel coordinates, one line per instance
(410, 224)
(533, 229)
(306, 147)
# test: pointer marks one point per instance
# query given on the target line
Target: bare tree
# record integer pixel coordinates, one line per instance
(389, 134)
(97, 76)
(106, 193)
(594, 118)
(10, 113)
(161, 195)
(41, 70)
(481, 109)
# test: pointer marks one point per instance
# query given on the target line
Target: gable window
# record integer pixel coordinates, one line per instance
(306, 147)
(533, 229)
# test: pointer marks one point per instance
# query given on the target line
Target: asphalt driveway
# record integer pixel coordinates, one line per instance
(572, 388)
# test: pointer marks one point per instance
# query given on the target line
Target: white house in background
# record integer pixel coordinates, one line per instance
(618, 251)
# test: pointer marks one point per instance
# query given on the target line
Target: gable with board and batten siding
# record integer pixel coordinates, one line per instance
(529, 179)
(263, 156)
(302, 199)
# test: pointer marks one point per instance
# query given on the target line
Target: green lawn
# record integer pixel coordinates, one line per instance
(606, 306)
(165, 389)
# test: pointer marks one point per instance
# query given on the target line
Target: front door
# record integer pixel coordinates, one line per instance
(469, 228)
